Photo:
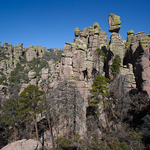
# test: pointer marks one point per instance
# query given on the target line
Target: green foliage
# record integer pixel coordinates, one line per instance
(3, 78)
(100, 87)
(53, 54)
(23, 59)
(97, 144)
(93, 143)
(116, 145)
(137, 139)
(116, 65)
(17, 76)
(5, 83)
(37, 64)
(66, 143)
(63, 142)
(31, 102)
(9, 112)
(100, 52)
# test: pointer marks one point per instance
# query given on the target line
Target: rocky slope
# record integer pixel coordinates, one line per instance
(79, 64)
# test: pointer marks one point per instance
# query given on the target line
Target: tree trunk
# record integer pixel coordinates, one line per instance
(106, 120)
(50, 129)
(35, 123)
(15, 132)
(55, 126)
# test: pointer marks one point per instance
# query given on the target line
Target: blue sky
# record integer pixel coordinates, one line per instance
(51, 23)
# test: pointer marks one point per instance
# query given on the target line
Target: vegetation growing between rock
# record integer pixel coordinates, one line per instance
(116, 65)
(100, 52)
(114, 114)
(100, 87)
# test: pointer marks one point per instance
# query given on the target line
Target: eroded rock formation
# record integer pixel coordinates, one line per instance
(79, 64)
(137, 53)
(79, 60)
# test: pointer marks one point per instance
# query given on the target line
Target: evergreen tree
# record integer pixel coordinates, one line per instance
(31, 104)
(100, 92)
(100, 52)
(10, 114)
(116, 65)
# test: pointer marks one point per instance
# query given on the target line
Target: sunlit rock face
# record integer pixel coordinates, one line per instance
(79, 64)
(79, 61)
(137, 53)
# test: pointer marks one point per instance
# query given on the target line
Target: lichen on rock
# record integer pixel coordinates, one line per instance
(130, 32)
(129, 39)
(83, 32)
(77, 33)
(145, 41)
(95, 25)
(114, 23)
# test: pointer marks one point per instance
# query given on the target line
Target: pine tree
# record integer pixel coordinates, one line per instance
(116, 65)
(31, 104)
(100, 88)
(10, 114)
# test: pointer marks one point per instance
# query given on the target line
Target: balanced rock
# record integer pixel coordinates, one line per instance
(114, 23)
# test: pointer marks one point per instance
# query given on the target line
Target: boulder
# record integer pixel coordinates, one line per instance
(31, 74)
(114, 23)
(24, 144)
(45, 73)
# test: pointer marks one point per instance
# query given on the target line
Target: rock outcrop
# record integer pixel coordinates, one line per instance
(24, 145)
(116, 46)
(138, 54)
(21, 66)
(80, 62)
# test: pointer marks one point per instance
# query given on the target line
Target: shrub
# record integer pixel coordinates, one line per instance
(37, 64)
(51, 54)
(100, 52)
(116, 65)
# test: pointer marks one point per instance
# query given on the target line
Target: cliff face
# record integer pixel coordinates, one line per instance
(79, 64)
(21, 66)
(137, 54)
(78, 61)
